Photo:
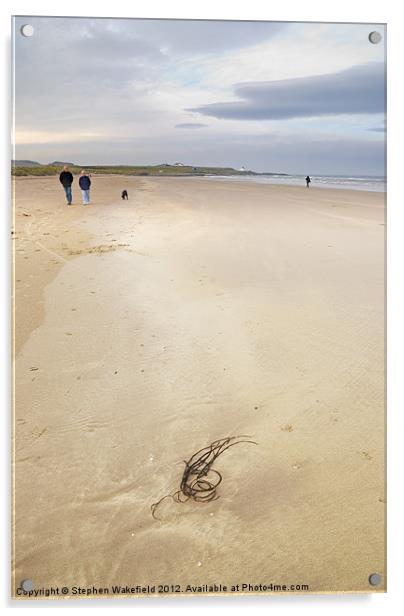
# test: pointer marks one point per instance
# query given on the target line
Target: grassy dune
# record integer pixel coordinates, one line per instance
(158, 170)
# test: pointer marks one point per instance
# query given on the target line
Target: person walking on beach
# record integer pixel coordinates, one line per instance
(66, 179)
(308, 180)
(85, 183)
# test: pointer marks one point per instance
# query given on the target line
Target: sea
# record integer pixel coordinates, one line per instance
(363, 182)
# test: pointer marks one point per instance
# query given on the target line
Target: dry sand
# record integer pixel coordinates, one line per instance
(147, 329)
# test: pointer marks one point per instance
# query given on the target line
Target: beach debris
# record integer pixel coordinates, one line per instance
(33, 368)
(287, 428)
(199, 480)
(98, 250)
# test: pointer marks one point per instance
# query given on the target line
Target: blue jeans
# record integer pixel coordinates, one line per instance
(68, 191)
(86, 196)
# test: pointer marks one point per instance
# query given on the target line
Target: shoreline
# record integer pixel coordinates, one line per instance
(216, 178)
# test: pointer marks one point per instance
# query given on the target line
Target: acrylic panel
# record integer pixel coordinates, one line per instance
(198, 312)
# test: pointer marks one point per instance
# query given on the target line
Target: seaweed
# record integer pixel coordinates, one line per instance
(199, 480)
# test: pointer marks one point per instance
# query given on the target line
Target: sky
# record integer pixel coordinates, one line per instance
(267, 96)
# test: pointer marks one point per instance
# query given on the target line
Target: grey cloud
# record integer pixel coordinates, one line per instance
(79, 72)
(207, 36)
(76, 65)
(81, 52)
(191, 125)
(360, 89)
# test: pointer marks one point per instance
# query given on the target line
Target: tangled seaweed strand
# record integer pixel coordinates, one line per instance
(199, 480)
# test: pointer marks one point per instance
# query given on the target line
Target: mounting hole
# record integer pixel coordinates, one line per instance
(27, 585)
(27, 30)
(375, 579)
(375, 37)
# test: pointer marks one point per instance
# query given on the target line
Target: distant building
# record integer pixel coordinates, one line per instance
(179, 165)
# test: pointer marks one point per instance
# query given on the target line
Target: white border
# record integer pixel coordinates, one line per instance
(285, 10)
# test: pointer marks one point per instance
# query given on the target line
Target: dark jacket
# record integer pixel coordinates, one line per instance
(84, 182)
(66, 178)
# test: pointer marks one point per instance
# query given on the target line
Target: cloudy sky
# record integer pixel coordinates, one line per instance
(291, 98)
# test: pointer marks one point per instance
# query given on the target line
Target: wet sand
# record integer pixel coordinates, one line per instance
(145, 330)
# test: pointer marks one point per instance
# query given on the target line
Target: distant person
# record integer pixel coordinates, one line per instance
(308, 180)
(66, 179)
(85, 183)
(125, 194)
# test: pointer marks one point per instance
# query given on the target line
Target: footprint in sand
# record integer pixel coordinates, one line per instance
(334, 416)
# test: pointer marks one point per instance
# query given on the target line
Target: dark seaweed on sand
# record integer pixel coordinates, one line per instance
(199, 480)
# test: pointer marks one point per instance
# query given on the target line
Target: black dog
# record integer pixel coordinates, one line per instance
(124, 194)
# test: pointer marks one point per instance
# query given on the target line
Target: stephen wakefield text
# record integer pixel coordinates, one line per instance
(159, 589)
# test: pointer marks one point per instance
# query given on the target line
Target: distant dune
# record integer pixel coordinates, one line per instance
(157, 170)
(59, 163)
(25, 163)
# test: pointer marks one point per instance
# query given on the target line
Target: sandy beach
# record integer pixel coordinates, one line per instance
(196, 310)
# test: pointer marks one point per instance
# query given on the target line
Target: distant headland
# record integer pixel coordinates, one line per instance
(31, 167)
